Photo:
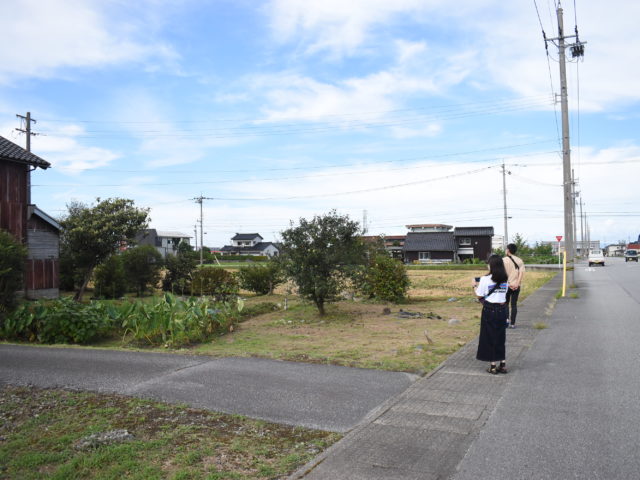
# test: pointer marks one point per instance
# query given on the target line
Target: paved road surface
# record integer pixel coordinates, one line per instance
(572, 410)
(317, 396)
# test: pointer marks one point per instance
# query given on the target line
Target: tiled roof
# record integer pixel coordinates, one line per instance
(246, 236)
(473, 231)
(15, 153)
(430, 242)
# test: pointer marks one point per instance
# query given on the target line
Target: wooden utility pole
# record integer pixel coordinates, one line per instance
(27, 130)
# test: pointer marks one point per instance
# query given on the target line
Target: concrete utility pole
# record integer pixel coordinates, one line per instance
(505, 240)
(581, 227)
(577, 50)
(27, 130)
(199, 200)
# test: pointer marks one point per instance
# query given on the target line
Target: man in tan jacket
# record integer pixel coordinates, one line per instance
(515, 270)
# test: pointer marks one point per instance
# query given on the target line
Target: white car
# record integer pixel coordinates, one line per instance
(596, 258)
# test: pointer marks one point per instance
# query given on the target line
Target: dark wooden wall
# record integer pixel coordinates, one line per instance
(13, 199)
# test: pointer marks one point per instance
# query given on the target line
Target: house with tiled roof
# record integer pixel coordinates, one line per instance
(473, 242)
(26, 222)
(250, 244)
(438, 243)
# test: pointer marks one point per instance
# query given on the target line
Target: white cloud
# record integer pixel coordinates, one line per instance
(48, 36)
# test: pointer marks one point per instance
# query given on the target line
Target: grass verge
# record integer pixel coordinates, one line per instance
(41, 430)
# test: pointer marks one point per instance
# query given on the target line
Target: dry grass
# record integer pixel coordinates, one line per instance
(358, 333)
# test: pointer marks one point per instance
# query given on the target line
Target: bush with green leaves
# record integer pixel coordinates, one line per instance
(110, 278)
(59, 321)
(217, 282)
(179, 269)
(142, 266)
(173, 322)
(385, 279)
(261, 278)
(12, 262)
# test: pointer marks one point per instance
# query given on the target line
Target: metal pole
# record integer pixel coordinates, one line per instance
(566, 148)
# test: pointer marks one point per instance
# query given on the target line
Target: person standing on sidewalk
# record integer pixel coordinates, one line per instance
(492, 292)
(515, 270)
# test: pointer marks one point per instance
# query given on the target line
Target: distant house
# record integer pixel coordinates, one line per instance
(166, 242)
(615, 250)
(473, 242)
(26, 222)
(429, 247)
(582, 247)
(250, 244)
(437, 243)
(393, 244)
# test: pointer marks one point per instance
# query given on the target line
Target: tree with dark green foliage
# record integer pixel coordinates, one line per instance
(386, 279)
(179, 269)
(261, 278)
(110, 279)
(142, 265)
(13, 256)
(321, 255)
(216, 282)
(90, 234)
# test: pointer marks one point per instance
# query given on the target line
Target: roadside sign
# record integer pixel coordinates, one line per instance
(559, 237)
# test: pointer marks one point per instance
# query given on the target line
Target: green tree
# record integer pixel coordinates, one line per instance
(386, 279)
(261, 278)
(110, 279)
(521, 243)
(321, 255)
(90, 234)
(13, 256)
(179, 269)
(142, 265)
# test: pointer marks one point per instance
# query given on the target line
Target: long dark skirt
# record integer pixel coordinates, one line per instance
(493, 325)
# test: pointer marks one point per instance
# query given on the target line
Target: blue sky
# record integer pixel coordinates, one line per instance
(282, 109)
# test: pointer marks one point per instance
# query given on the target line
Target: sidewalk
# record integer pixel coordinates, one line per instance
(424, 432)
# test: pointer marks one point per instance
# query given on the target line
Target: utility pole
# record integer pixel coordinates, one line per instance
(364, 222)
(505, 240)
(26, 121)
(581, 228)
(199, 200)
(574, 195)
(195, 235)
(577, 50)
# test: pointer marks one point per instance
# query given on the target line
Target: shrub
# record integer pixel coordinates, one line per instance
(261, 278)
(110, 279)
(178, 273)
(12, 261)
(142, 265)
(58, 321)
(216, 282)
(385, 279)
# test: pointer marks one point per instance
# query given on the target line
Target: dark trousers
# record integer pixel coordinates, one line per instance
(512, 301)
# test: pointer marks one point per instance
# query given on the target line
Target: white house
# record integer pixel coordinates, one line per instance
(250, 244)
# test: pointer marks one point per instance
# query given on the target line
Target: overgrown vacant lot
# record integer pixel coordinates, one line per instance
(358, 333)
(42, 433)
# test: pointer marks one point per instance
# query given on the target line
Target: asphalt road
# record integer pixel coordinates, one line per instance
(316, 396)
(572, 408)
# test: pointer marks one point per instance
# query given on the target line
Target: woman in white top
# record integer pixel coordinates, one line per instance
(492, 292)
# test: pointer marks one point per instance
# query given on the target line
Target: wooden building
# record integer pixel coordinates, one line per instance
(26, 222)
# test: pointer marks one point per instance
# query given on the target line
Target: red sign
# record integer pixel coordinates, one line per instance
(558, 237)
